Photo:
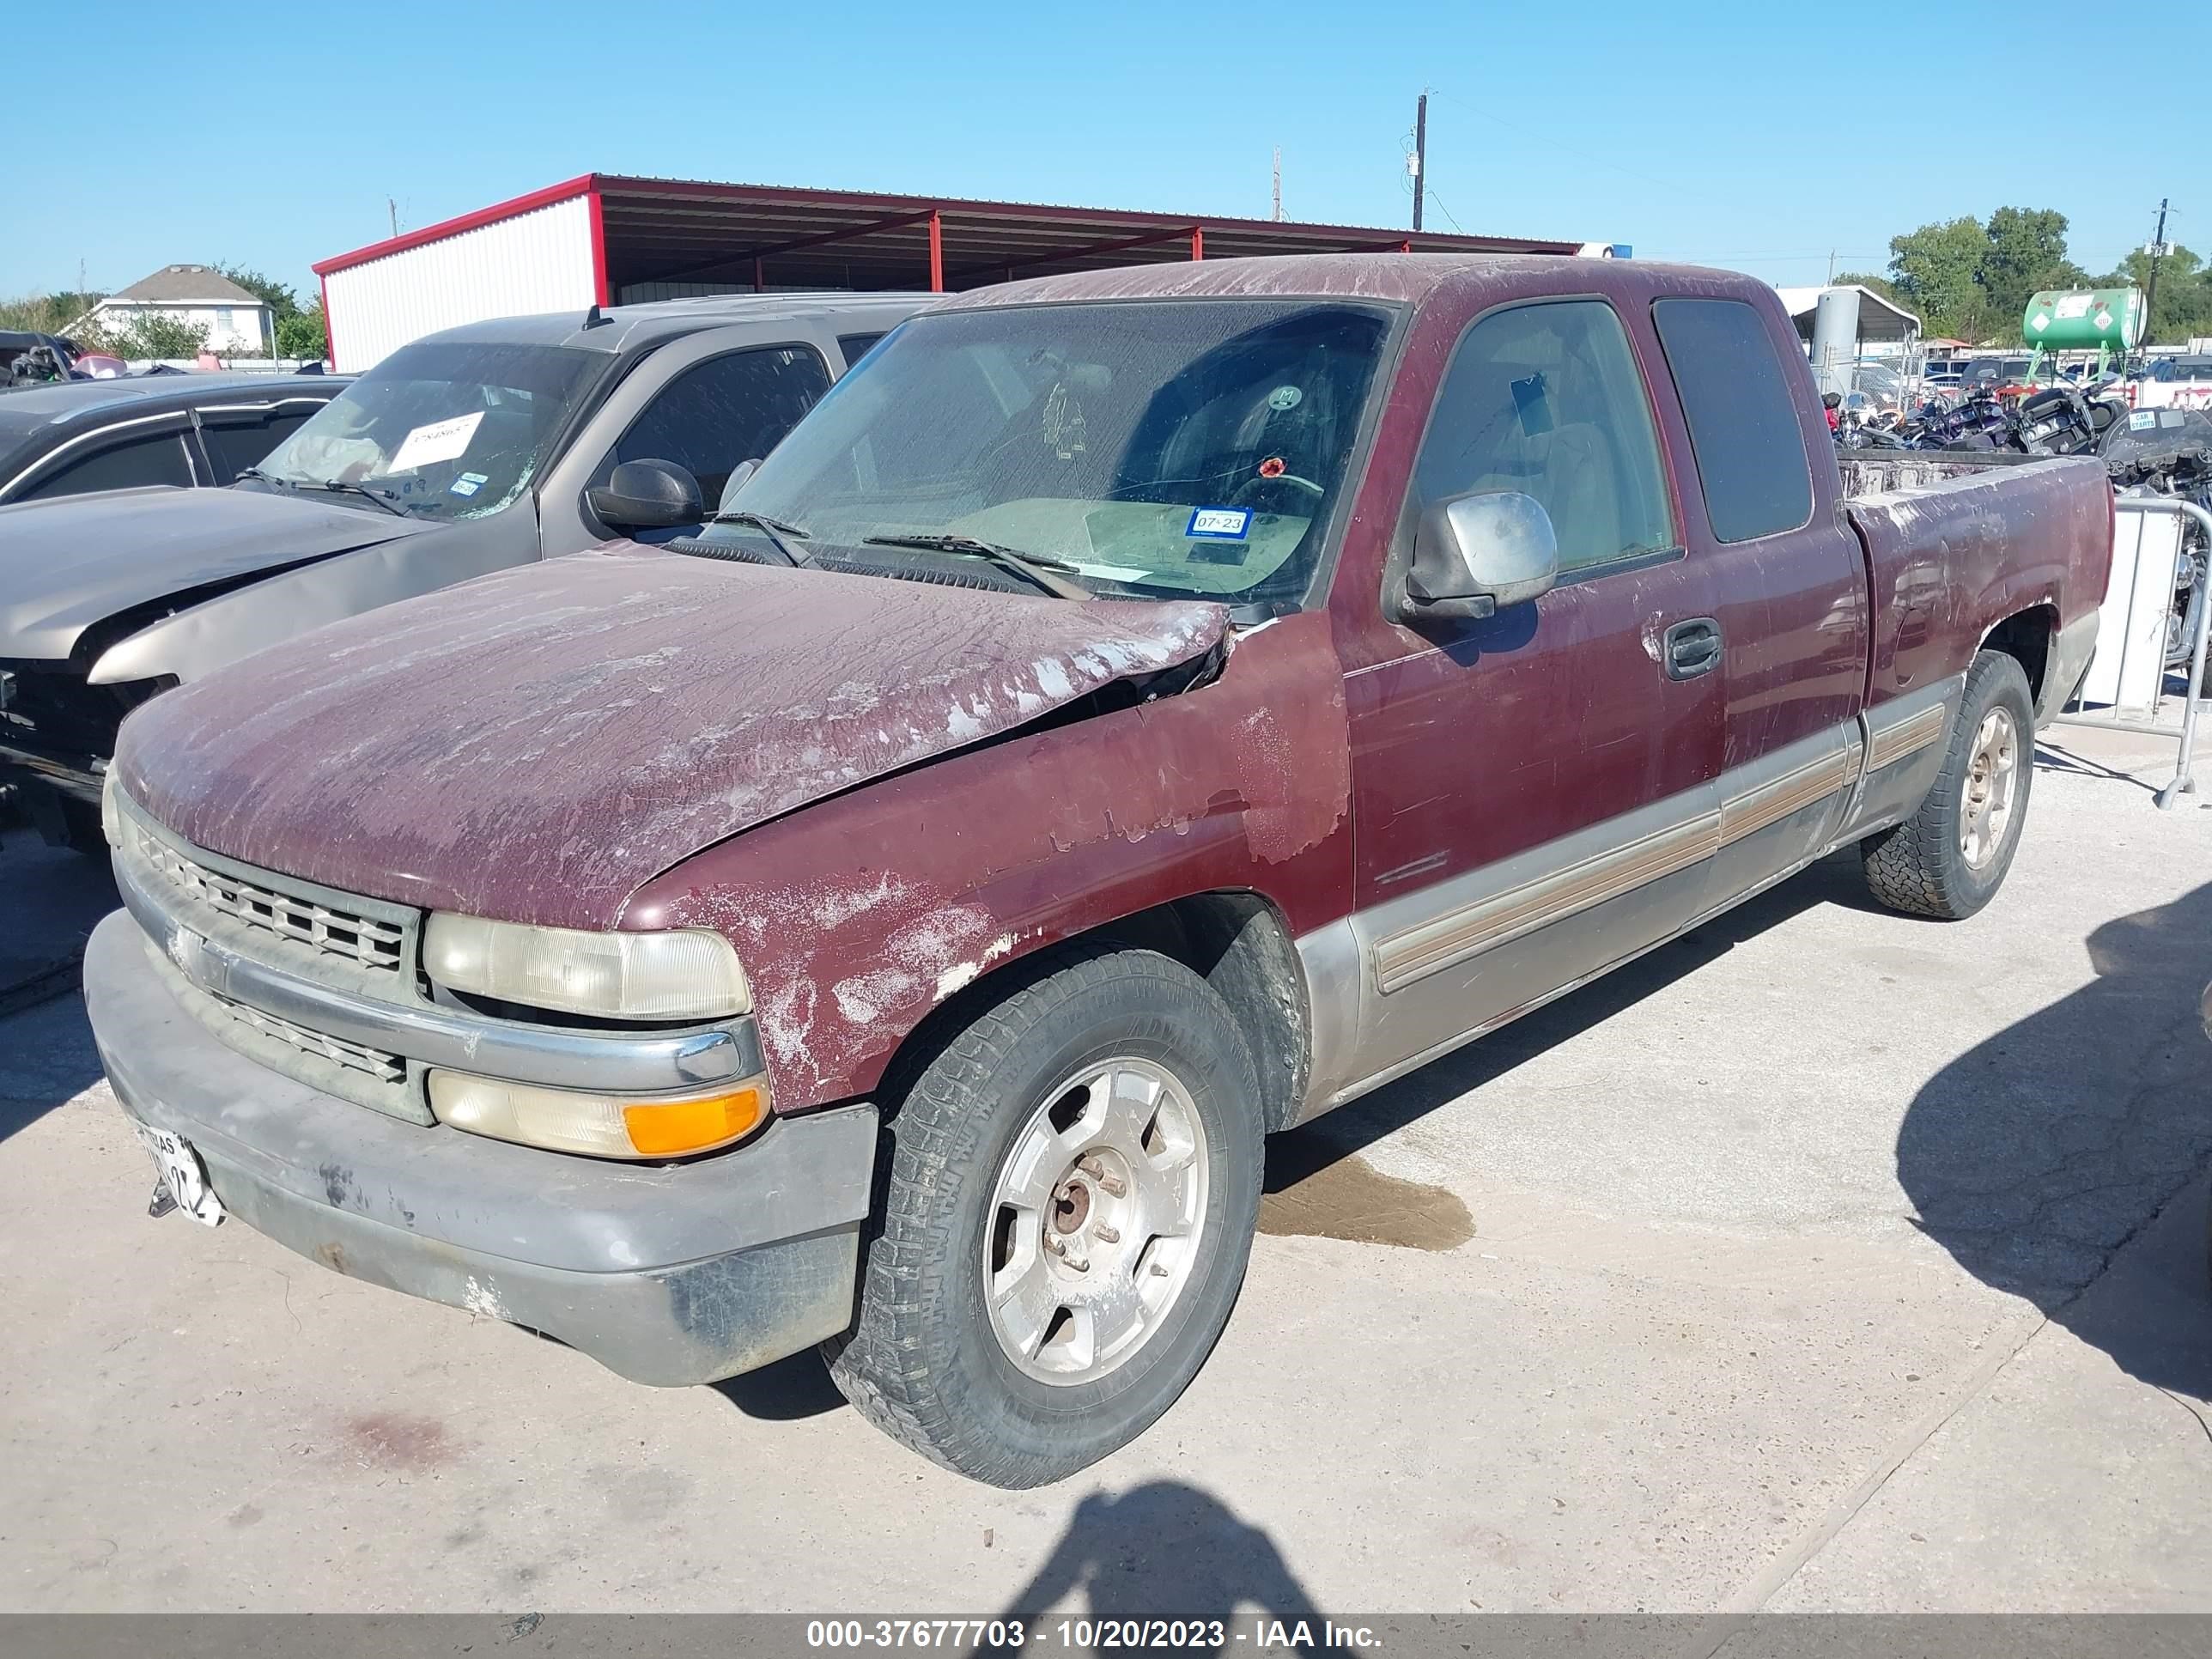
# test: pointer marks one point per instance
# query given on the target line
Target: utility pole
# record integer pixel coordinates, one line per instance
(1279, 183)
(1832, 267)
(2157, 252)
(393, 208)
(1420, 152)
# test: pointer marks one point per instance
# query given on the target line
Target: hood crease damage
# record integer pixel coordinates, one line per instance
(538, 743)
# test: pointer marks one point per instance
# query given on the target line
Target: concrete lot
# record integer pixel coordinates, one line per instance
(1826, 1260)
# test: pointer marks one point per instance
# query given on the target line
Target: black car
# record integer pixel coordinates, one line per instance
(73, 436)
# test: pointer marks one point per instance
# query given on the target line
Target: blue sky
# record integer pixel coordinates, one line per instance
(1716, 138)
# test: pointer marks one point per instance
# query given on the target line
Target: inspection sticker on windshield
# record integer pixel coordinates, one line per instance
(468, 484)
(441, 440)
(1219, 524)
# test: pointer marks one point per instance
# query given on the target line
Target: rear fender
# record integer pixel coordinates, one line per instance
(1949, 560)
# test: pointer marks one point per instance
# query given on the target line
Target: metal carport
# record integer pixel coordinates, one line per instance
(611, 239)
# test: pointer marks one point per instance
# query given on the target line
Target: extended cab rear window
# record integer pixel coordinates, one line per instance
(1743, 424)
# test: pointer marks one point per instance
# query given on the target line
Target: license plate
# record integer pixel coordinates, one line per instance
(183, 1178)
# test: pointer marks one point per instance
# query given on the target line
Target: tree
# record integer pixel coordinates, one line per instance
(1937, 271)
(1868, 280)
(2182, 307)
(281, 301)
(2027, 253)
(303, 335)
(148, 334)
(46, 313)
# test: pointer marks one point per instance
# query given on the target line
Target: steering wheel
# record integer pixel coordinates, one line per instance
(1250, 487)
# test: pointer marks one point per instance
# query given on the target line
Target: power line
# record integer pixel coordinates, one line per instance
(1552, 143)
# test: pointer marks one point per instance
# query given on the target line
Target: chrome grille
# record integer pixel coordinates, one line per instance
(354, 1056)
(360, 940)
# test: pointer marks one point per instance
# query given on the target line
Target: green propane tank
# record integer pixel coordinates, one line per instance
(2083, 319)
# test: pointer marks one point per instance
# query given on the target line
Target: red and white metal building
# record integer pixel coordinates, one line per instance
(610, 240)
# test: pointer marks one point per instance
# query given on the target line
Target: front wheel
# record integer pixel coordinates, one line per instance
(1070, 1198)
(1949, 858)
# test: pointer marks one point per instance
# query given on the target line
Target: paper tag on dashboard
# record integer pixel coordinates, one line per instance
(1219, 524)
(441, 440)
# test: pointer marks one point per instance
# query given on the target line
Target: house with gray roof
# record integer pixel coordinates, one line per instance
(236, 320)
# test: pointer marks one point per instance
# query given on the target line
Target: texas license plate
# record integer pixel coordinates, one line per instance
(183, 1178)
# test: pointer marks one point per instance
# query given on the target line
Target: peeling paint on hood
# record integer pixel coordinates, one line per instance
(535, 744)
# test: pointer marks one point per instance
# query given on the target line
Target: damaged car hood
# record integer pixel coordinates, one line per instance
(70, 563)
(536, 744)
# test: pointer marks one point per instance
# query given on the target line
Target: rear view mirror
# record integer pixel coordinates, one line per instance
(647, 495)
(1473, 554)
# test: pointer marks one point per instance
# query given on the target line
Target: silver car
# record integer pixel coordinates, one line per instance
(469, 450)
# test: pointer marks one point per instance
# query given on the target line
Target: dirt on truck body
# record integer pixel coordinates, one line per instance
(1133, 713)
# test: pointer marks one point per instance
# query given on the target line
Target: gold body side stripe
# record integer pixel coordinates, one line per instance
(1907, 737)
(1775, 799)
(1418, 952)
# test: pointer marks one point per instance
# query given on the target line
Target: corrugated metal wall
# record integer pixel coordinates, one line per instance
(537, 261)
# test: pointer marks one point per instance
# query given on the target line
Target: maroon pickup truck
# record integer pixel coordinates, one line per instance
(1135, 712)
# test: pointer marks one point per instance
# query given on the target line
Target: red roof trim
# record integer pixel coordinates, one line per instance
(612, 190)
(621, 187)
(584, 184)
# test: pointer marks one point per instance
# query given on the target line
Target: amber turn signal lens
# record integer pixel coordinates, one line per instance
(599, 1126)
(669, 1128)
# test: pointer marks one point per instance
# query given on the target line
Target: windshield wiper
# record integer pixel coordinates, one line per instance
(775, 529)
(256, 473)
(1054, 576)
(341, 487)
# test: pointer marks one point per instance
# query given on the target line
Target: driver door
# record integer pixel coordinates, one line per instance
(1536, 792)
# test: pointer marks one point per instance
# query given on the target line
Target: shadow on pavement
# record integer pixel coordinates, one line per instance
(54, 898)
(45, 1057)
(2051, 756)
(2036, 1154)
(1299, 1154)
(1165, 1550)
(785, 1391)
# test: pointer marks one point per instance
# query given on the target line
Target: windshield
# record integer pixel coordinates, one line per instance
(1159, 449)
(441, 429)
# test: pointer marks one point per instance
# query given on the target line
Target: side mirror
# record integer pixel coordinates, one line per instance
(647, 495)
(1474, 553)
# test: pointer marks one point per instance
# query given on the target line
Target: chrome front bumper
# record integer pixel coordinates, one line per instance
(671, 1274)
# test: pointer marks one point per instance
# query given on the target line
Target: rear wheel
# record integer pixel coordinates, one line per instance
(1067, 1207)
(1949, 858)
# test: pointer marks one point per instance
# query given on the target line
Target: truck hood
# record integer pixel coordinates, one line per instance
(67, 563)
(536, 744)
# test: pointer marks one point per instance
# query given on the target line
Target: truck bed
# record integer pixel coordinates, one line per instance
(1951, 540)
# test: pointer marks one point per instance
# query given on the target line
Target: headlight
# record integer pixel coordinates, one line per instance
(111, 816)
(683, 974)
(563, 1121)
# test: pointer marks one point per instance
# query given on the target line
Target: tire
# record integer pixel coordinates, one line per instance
(1019, 1397)
(1923, 865)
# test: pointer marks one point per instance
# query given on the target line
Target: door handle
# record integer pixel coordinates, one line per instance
(1692, 647)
